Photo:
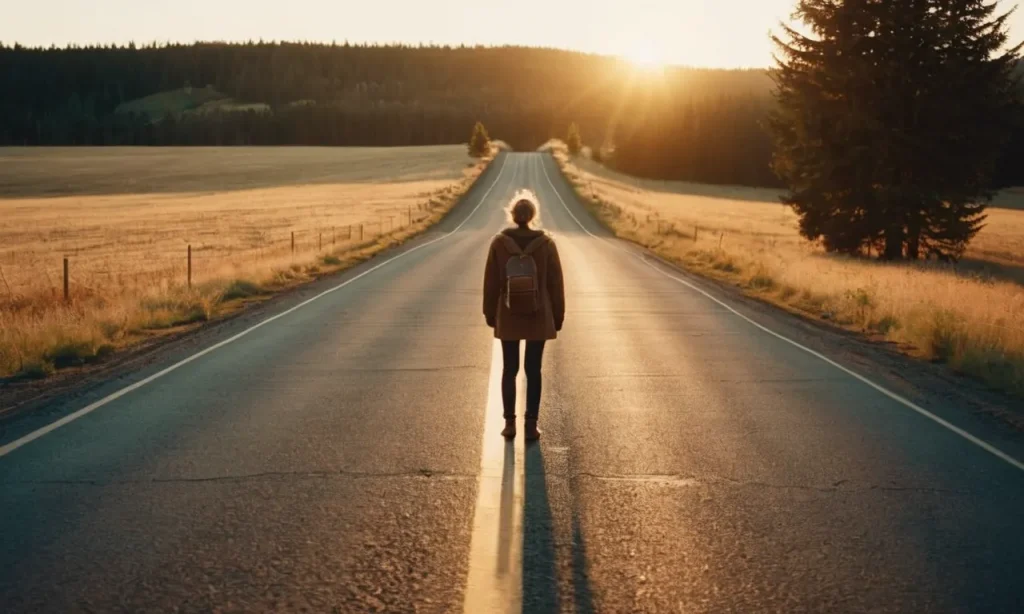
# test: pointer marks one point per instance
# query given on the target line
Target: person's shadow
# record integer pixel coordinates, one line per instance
(540, 572)
(507, 513)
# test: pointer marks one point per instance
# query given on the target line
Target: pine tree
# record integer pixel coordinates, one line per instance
(573, 141)
(890, 120)
(479, 143)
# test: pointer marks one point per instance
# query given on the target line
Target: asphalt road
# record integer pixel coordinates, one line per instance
(339, 458)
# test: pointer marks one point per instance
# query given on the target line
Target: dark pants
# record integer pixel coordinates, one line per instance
(534, 356)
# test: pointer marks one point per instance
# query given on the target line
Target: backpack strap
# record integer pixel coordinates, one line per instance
(514, 248)
(511, 244)
(536, 244)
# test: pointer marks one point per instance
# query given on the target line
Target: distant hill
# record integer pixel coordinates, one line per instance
(184, 101)
(159, 105)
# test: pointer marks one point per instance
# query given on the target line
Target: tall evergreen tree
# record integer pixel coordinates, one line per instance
(479, 142)
(890, 121)
(573, 141)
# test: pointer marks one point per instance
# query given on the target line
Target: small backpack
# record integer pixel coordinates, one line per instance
(522, 284)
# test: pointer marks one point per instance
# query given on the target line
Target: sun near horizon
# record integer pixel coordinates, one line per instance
(644, 57)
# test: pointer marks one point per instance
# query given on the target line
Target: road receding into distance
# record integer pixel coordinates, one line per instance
(343, 455)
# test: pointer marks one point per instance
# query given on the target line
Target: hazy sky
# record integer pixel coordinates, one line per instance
(717, 33)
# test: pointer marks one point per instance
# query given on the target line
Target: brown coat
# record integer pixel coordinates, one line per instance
(544, 324)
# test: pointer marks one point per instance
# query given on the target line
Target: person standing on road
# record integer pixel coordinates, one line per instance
(524, 300)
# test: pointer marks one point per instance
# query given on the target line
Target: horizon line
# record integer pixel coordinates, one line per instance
(158, 44)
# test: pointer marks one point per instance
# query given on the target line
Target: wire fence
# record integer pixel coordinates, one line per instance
(144, 259)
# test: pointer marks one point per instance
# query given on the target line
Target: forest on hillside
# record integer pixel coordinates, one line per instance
(687, 124)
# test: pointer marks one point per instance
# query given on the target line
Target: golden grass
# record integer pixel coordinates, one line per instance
(124, 218)
(970, 316)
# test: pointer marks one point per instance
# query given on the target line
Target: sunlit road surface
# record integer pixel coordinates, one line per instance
(345, 457)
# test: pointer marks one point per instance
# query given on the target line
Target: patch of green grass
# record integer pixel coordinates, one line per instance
(240, 288)
(192, 315)
(283, 277)
(71, 353)
(726, 265)
(885, 325)
(163, 303)
(861, 306)
(841, 318)
(946, 336)
(995, 367)
(112, 329)
(36, 369)
(761, 281)
(331, 260)
(861, 297)
(811, 302)
(169, 312)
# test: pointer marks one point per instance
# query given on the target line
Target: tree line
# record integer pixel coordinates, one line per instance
(341, 94)
(385, 95)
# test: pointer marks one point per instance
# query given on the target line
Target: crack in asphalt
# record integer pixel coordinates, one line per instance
(766, 380)
(639, 479)
(355, 475)
(690, 481)
(416, 369)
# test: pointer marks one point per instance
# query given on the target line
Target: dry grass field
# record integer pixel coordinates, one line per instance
(970, 316)
(124, 218)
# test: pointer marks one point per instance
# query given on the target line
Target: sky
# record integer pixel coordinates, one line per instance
(711, 33)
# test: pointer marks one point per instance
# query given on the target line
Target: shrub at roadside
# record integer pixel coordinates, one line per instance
(479, 142)
(573, 141)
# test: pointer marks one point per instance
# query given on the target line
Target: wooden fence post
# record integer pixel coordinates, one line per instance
(695, 233)
(190, 267)
(360, 232)
(67, 293)
(293, 243)
(320, 242)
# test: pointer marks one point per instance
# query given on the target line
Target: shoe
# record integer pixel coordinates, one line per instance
(532, 432)
(509, 432)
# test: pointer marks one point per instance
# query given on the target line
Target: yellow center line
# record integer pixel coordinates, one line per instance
(494, 583)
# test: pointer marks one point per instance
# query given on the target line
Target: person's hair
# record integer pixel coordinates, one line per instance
(524, 208)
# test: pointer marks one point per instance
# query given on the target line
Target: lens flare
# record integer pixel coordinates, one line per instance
(644, 57)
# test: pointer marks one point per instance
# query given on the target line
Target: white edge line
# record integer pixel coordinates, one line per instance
(892, 395)
(14, 445)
